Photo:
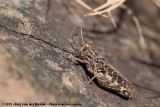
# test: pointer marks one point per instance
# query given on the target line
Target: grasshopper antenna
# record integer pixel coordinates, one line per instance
(82, 34)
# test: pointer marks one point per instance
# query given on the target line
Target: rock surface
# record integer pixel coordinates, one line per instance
(35, 33)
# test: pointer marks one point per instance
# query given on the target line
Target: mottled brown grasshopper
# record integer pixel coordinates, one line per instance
(105, 74)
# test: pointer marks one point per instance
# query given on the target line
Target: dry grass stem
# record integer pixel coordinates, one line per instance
(89, 8)
(105, 5)
(140, 32)
(138, 26)
(110, 8)
(112, 20)
(109, 5)
(157, 2)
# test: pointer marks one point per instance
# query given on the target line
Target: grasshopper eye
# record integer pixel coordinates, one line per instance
(85, 49)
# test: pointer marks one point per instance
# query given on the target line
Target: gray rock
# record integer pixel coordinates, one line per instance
(35, 33)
